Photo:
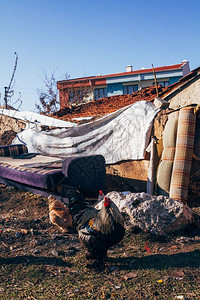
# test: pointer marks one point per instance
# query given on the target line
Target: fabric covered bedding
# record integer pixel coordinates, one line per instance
(183, 154)
(39, 171)
(173, 172)
(42, 177)
(52, 173)
(164, 172)
(13, 150)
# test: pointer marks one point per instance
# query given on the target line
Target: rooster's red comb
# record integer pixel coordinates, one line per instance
(107, 202)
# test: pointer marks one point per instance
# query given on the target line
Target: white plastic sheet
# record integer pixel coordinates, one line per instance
(122, 135)
(32, 117)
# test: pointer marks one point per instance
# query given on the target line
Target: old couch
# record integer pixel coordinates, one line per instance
(46, 175)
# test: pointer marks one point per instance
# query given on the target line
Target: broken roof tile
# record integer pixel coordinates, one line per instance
(104, 106)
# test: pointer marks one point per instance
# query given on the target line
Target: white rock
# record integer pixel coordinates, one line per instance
(155, 214)
(160, 103)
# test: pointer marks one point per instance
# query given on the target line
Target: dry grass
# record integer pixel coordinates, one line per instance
(39, 262)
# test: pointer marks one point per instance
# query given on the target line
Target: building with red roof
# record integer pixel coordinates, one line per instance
(101, 86)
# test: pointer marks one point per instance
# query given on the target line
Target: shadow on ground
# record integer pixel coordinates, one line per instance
(33, 260)
(158, 261)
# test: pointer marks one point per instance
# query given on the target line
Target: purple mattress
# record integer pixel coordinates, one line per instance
(46, 178)
(87, 173)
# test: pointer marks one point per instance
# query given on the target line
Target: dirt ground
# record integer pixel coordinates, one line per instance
(38, 261)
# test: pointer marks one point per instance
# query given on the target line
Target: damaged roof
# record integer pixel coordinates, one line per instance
(101, 107)
(107, 105)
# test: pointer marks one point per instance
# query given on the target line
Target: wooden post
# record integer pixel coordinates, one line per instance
(156, 84)
(6, 97)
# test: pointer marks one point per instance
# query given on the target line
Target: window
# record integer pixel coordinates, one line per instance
(162, 83)
(130, 89)
(75, 95)
(100, 93)
(71, 96)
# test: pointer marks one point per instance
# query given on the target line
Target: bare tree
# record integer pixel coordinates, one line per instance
(9, 90)
(8, 128)
(76, 92)
(48, 96)
(79, 95)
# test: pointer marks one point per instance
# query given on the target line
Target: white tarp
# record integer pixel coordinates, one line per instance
(32, 117)
(119, 136)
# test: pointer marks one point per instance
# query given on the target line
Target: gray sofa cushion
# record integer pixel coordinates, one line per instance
(88, 173)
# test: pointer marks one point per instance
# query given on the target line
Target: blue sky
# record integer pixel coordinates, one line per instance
(91, 37)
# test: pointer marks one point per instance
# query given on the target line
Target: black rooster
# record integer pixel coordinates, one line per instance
(98, 229)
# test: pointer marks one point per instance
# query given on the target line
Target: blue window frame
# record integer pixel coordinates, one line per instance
(100, 93)
(163, 83)
(130, 89)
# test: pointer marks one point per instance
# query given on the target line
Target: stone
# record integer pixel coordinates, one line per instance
(10, 188)
(159, 215)
(36, 251)
(118, 198)
(117, 287)
(24, 231)
(17, 234)
(72, 251)
(112, 268)
(54, 253)
(160, 103)
(23, 211)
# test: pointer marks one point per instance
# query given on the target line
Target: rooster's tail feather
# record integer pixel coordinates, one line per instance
(78, 206)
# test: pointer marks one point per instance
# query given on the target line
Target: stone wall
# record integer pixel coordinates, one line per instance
(189, 95)
(8, 124)
(134, 173)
